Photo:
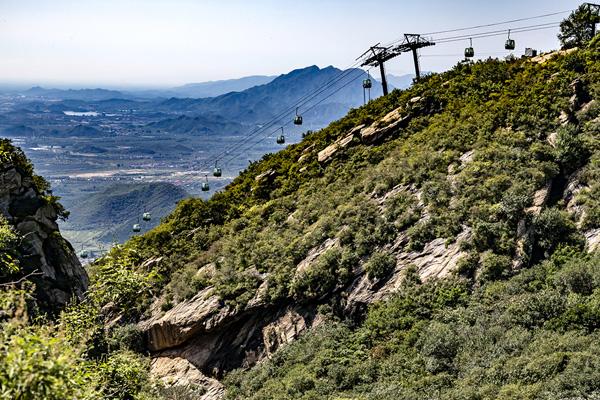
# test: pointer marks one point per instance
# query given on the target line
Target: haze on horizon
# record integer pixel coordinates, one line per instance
(156, 43)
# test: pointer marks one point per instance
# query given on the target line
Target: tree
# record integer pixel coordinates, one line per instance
(579, 27)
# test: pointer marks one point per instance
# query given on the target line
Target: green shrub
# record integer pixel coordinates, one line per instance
(9, 240)
(123, 375)
(494, 266)
(38, 361)
(571, 150)
(380, 265)
(321, 277)
(552, 227)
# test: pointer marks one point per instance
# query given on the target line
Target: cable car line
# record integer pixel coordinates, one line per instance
(287, 123)
(311, 96)
(231, 152)
(486, 25)
(300, 102)
(303, 100)
(498, 23)
(502, 31)
(496, 34)
(307, 110)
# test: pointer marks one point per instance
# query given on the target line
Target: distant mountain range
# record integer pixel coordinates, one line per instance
(343, 89)
(199, 90)
(190, 90)
(205, 89)
(324, 94)
(73, 94)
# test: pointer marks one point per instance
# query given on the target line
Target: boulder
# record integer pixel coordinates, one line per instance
(326, 154)
(178, 371)
(383, 127)
(189, 318)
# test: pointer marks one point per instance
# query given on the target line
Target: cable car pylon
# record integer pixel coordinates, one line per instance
(413, 42)
(593, 9)
(379, 57)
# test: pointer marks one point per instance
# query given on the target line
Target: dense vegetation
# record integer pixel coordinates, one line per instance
(534, 336)
(277, 210)
(518, 319)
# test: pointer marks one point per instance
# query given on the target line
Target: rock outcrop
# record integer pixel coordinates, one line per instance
(45, 256)
(201, 339)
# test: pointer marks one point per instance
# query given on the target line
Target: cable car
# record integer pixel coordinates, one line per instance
(510, 43)
(281, 138)
(297, 118)
(146, 216)
(217, 171)
(205, 186)
(469, 51)
(136, 228)
(367, 84)
(83, 253)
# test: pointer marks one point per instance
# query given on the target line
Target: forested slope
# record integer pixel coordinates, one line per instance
(479, 183)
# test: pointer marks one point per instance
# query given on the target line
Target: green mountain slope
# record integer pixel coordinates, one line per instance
(108, 215)
(436, 239)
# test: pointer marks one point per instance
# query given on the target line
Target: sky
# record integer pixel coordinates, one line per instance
(162, 43)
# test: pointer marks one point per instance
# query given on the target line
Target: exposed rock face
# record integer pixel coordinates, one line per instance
(436, 260)
(199, 340)
(213, 343)
(57, 273)
(381, 128)
(187, 319)
(179, 371)
(326, 154)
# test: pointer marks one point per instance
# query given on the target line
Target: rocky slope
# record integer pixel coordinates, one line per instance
(45, 257)
(477, 173)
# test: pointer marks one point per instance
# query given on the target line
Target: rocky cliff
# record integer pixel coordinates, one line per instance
(45, 257)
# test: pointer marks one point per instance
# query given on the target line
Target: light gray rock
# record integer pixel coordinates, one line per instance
(178, 371)
(42, 247)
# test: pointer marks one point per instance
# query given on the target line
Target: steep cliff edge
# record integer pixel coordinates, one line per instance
(44, 256)
(468, 178)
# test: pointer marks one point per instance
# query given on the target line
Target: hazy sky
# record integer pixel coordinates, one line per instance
(160, 42)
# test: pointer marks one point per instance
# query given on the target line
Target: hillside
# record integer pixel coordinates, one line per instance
(108, 215)
(197, 126)
(438, 242)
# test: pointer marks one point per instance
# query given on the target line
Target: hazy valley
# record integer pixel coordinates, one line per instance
(88, 142)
